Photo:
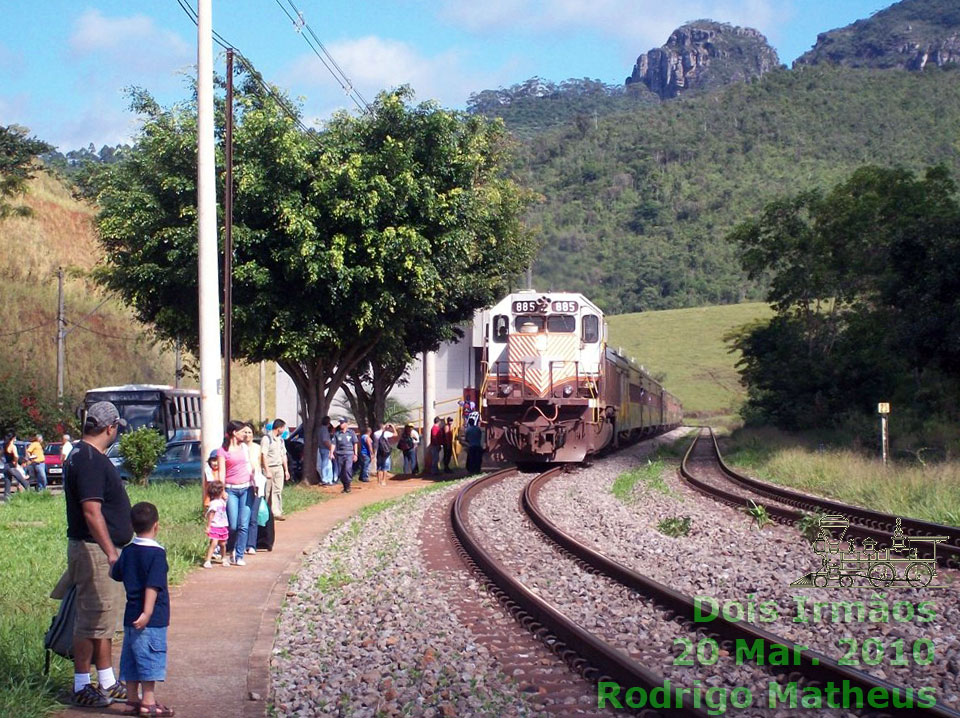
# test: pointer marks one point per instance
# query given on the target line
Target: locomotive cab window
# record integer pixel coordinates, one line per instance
(591, 329)
(561, 324)
(528, 325)
(501, 326)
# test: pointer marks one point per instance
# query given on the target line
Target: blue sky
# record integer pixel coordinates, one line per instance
(64, 64)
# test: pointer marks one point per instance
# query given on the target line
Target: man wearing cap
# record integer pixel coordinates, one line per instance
(345, 445)
(274, 453)
(98, 525)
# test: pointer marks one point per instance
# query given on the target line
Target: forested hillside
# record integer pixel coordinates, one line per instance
(637, 204)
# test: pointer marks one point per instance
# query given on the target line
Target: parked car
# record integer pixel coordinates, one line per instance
(180, 462)
(294, 444)
(51, 457)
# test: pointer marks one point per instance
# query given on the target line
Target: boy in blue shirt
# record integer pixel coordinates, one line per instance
(142, 567)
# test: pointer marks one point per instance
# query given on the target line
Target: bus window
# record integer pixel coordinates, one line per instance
(591, 329)
(500, 328)
(528, 325)
(561, 324)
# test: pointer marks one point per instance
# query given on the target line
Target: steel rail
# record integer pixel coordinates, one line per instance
(816, 667)
(856, 514)
(948, 556)
(584, 652)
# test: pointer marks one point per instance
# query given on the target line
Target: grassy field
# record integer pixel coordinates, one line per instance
(32, 558)
(686, 348)
(930, 492)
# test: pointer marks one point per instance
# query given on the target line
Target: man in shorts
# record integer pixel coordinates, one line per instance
(98, 525)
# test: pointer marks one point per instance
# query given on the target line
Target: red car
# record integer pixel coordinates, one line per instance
(51, 457)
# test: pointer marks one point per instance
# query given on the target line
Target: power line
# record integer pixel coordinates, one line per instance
(130, 338)
(253, 72)
(320, 50)
(29, 329)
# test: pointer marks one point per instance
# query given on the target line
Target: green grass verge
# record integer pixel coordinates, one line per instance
(687, 348)
(930, 492)
(33, 556)
(650, 475)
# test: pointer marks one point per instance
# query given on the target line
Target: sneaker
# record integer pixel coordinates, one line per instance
(279, 517)
(226, 562)
(116, 692)
(239, 562)
(207, 564)
(251, 550)
(90, 697)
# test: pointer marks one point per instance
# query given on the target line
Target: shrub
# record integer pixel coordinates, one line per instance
(759, 514)
(675, 526)
(140, 450)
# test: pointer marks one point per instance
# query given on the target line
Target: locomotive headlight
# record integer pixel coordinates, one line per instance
(506, 390)
(567, 391)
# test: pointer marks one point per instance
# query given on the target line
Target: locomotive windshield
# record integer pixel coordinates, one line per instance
(561, 323)
(555, 324)
(528, 325)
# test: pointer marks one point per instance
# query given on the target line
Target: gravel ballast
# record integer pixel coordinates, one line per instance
(367, 631)
(726, 558)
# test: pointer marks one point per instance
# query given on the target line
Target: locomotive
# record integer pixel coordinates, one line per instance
(553, 391)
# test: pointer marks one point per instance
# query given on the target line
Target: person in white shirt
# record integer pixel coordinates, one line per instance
(65, 449)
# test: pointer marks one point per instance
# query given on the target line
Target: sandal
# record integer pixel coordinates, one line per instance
(132, 708)
(157, 709)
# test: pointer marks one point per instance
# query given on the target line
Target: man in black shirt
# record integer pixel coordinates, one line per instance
(98, 525)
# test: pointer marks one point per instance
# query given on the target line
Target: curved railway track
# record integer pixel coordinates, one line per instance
(717, 480)
(598, 661)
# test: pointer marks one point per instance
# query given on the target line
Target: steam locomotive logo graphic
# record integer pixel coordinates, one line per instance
(844, 564)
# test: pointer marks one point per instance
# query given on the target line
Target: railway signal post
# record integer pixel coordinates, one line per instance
(883, 408)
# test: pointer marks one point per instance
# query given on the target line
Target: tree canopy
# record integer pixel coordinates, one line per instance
(341, 235)
(18, 153)
(865, 279)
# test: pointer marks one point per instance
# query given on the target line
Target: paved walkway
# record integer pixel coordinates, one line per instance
(223, 620)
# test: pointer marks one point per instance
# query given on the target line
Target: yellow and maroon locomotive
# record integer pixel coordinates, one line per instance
(553, 391)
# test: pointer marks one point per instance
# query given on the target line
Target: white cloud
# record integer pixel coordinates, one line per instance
(373, 64)
(133, 46)
(635, 24)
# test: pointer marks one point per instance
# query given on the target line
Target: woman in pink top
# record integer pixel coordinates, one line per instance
(234, 470)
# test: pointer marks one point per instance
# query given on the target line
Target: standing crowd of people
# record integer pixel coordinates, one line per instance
(118, 570)
(242, 492)
(18, 471)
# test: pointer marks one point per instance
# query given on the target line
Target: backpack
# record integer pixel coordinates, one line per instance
(59, 637)
(405, 443)
(383, 445)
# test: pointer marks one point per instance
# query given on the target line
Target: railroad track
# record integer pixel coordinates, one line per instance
(712, 476)
(597, 660)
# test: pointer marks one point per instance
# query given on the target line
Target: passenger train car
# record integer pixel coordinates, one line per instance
(553, 391)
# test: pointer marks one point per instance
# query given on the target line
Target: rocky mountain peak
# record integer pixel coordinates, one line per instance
(702, 55)
(911, 35)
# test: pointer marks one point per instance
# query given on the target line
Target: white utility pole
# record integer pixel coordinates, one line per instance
(429, 401)
(61, 335)
(263, 391)
(209, 281)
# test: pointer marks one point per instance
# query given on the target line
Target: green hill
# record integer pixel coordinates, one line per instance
(105, 345)
(686, 350)
(636, 206)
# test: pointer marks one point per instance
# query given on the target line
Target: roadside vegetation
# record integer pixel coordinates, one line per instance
(32, 534)
(905, 487)
(685, 349)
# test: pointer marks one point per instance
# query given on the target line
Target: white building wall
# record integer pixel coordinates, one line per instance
(455, 370)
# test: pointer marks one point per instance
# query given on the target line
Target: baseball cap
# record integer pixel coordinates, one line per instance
(101, 415)
(213, 455)
(344, 420)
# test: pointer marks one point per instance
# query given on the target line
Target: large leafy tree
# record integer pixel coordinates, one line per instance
(865, 279)
(341, 236)
(18, 154)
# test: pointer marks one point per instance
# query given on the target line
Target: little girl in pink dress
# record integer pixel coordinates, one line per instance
(218, 526)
